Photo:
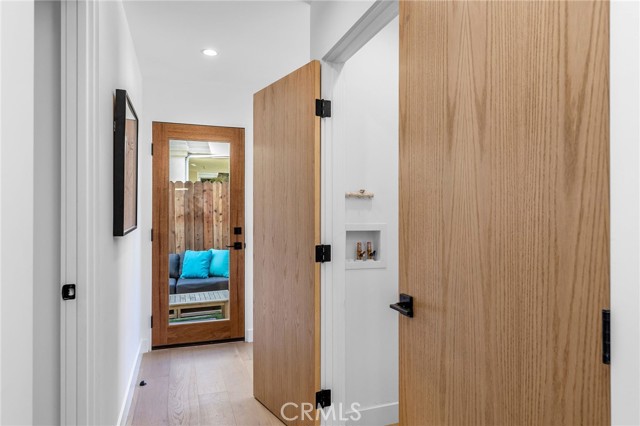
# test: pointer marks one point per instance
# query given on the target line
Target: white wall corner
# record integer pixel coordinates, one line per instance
(248, 335)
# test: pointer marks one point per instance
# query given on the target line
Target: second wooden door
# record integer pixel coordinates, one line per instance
(504, 212)
(286, 231)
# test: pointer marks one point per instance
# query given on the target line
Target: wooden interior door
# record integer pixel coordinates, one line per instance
(286, 288)
(504, 212)
(165, 238)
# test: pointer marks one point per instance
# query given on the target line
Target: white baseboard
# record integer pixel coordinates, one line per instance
(248, 335)
(133, 376)
(379, 415)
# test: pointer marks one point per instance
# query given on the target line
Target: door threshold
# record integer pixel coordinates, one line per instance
(209, 342)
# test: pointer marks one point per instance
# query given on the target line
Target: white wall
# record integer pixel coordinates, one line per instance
(226, 104)
(46, 297)
(122, 282)
(625, 200)
(371, 162)
(330, 20)
(16, 213)
(365, 156)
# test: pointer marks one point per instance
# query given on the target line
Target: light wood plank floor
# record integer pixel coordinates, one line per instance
(202, 385)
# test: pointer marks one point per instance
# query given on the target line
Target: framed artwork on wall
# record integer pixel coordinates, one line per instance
(125, 166)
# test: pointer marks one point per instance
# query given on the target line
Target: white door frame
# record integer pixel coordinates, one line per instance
(333, 131)
(79, 50)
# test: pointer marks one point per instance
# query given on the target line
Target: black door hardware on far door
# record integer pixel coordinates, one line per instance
(404, 306)
(238, 245)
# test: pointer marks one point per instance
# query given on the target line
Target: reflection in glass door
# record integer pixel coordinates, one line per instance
(199, 231)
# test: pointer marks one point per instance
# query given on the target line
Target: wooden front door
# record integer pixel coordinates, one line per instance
(286, 286)
(504, 212)
(196, 210)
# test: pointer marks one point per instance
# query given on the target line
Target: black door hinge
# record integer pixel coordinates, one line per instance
(151, 234)
(323, 398)
(606, 336)
(151, 148)
(323, 108)
(68, 292)
(151, 321)
(323, 253)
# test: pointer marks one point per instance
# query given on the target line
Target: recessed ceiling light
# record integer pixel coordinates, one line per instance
(209, 52)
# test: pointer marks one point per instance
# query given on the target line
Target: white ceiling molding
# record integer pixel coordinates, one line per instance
(374, 19)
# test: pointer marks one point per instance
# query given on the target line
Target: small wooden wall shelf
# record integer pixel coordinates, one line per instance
(363, 193)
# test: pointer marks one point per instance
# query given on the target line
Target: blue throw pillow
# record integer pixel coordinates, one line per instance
(196, 264)
(219, 263)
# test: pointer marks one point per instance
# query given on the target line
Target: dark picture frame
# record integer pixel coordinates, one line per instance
(125, 165)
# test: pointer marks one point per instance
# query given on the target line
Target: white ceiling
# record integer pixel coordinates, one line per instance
(184, 148)
(252, 39)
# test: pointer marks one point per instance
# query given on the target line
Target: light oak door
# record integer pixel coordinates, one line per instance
(286, 286)
(504, 212)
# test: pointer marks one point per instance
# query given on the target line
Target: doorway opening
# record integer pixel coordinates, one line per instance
(198, 234)
(361, 218)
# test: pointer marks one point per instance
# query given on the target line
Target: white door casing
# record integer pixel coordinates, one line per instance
(79, 50)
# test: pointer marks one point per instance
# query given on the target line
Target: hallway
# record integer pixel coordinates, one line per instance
(201, 385)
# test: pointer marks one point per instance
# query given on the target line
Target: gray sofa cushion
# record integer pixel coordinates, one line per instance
(194, 285)
(172, 285)
(174, 265)
(181, 256)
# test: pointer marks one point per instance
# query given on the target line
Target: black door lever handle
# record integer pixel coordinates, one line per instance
(238, 245)
(404, 306)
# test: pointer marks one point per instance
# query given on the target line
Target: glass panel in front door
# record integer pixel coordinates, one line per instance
(199, 231)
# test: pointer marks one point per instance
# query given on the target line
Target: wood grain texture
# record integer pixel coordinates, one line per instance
(211, 226)
(286, 230)
(504, 212)
(162, 332)
(204, 385)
